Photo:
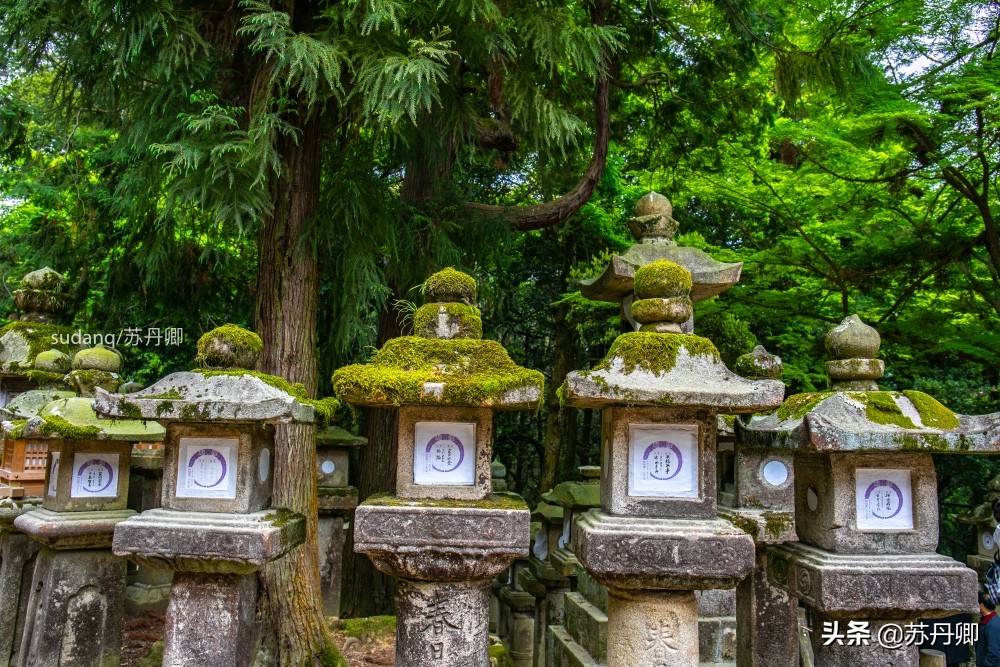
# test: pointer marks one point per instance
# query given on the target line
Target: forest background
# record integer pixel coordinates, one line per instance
(300, 166)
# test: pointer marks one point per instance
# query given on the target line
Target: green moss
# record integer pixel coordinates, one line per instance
(655, 352)
(495, 501)
(336, 491)
(325, 408)
(469, 319)
(330, 657)
(172, 393)
(661, 278)
(499, 656)
(242, 341)
(192, 413)
(450, 285)
(796, 407)
(280, 517)
(744, 523)
(932, 413)
(57, 426)
(672, 309)
(474, 373)
(165, 407)
(39, 337)
(16, 429)
(155, 656)
(880, 408)
(45, 378)
(776, 523)
(129, 409)
(371, 627)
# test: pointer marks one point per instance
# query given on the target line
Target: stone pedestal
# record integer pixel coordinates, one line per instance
(17, 563)
(210, 620)
(442, 623)
(767, 619)
(652, 628)
(330, 538)
(870, 654)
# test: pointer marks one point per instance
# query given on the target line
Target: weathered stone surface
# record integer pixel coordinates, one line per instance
(337, 499)
(654, 553)
(332, 464)
(443, 540)
(211, 621)
(17, 563)
(587, 624)
(652, 628)
(443, 624)
(765, 479)
(208, 541)
(852, 338)
(764, 526)
(826, 503)
(767, 619)
(838, 421)
(856, 586)
(251, 460)
(74, 417)
(481, 452)
(64, 456)
(522, 638)
(714, 602)
(98, 358)
(192, 396)
(147, 591)
(330, 541)
(615, 497)
(74, 614)
(27, 404)
(563, 651)
(694, 381)
(71, 530)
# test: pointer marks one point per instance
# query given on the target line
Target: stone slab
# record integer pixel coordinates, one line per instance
(764, 526)
(652, 628)
(443, 624)
(443, 540)
(208, 541)
(565, 652)
(889, 586)
(659, 553)
(330, 542)
(71, 530)
(17, 565)
(586, 624)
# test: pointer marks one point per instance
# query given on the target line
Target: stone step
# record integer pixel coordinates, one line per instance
(586, 624)
(564, 652)
(592, 589)
(717, 639)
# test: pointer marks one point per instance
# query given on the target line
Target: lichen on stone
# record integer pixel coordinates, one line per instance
(325, 408)
(425, 320)
(450, 285)
(57, 426)
(776, 523)
(661, 278)
(654, 352)
(472, 373)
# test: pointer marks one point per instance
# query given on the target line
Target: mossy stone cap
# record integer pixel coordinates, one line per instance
(45, 278)
(653, 203)
(53, 361)
(759, 364)
(450, 285)
(662, 279)
(75, 418)
(229, 346)
(98, 358)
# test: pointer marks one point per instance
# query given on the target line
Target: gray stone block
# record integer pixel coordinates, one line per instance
(208, 541)
(72, 457)
(887, 586)
(565, 652)
(211, 621)
(17, 565)
(443, 624)
(587, 625)
(595, 592)
(758, 472)
(669, 554)
(74, 614)
(330, 540)
(716, 602)
(767, 619)
(72, 530)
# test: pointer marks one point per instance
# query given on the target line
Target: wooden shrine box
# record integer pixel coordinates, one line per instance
(22, 473)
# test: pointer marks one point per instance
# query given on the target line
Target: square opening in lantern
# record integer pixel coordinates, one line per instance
(444, 453)
(663, 460)
(884, 499)
(206, 468)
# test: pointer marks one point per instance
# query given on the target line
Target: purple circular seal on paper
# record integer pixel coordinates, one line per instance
(879, 485)
(446, 438)
(89, 475)
(670, 448)
(200, 454)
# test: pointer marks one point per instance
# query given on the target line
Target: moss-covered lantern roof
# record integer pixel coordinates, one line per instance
(75, 418)
(653, 226)
(21, 342)
(660, 368)
(27, 404)
(856, 416)
(575, 495)
(338, 437)
(218, 394)
(446, 364)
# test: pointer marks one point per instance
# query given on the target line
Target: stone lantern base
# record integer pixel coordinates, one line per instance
(74, 612)
(17, 561)
(444, 555)
(215, 557)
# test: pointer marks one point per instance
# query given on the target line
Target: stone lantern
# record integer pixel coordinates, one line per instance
(215, 528)
(29, 358)
(657, 537)
(653, 226)
(444, 535)
(981, 518)
(540, 578)
(75, 608)
(866, 502)
(337, 500)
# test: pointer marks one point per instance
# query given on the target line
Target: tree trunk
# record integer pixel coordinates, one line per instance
(560, 424)
(287, 295)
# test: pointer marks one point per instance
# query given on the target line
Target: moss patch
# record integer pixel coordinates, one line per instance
(242, 341)
(655, 352)
(450, 285)
(325, 407)
(470, 321)
(880, 408)
(796, 407)
(499, 656)
(57, 426)
(371, 627)
(661, 278)
(776, 523)
(932, 413)
(496, 501)
(46, 378)
(474, 373)
(39, 337)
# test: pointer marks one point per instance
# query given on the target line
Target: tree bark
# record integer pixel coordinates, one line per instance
(287, 296)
